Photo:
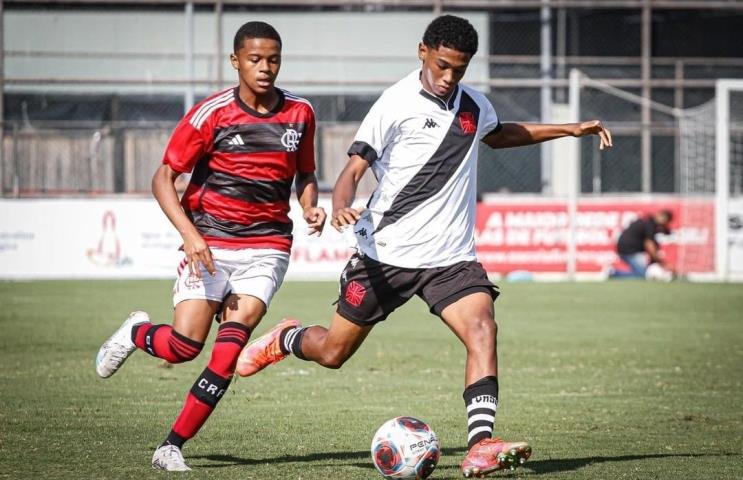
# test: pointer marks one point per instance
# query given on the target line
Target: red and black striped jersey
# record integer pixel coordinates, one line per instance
(243, 165)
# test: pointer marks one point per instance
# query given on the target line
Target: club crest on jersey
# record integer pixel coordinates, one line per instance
(193, 282)
(355, 293)
(467, 122)
(290, 140)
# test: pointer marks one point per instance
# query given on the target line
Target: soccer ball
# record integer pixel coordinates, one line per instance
(658, 273)
(405, 447)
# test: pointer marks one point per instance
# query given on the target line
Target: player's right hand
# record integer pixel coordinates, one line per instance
(344, 217)
(197, 252)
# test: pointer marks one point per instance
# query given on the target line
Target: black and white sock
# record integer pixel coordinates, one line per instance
(291, 341)
(481, 400)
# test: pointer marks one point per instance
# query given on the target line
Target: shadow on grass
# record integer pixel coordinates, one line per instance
(537, 467)
(570, 464)
(231, 460)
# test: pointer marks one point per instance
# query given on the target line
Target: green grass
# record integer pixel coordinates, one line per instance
(614, 380)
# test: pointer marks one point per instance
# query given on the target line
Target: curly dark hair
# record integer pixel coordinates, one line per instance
(452, 32)
(255, 30)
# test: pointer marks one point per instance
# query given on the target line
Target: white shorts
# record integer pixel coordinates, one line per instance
(257, 272)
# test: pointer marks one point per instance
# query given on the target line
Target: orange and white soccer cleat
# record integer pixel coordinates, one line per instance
(264, 351)
(493, 454)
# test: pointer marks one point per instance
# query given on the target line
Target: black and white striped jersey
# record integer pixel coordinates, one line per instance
(423, 152)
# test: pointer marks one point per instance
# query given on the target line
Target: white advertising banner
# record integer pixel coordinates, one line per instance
(126, 238)
(132, 238)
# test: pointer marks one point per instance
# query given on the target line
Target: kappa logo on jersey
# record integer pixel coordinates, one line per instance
(430, 124)
(355, 293)
(467, 122)
(290, 140)
(236, 140)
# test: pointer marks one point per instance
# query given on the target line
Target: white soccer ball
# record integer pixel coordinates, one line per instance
(405, 447)
(657, 273)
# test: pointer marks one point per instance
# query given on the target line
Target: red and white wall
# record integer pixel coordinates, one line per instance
(532, 234)
(131, 238)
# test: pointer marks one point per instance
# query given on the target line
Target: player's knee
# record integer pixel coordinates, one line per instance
(486, 326)
(249, 314)
(484, 333)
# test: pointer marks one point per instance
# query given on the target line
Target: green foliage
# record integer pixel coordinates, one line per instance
(615, 380)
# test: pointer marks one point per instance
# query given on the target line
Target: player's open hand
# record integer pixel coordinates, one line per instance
(594, 127)
(344, 217)
(197, 252)
(315, 218)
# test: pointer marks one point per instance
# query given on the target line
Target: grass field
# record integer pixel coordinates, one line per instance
(613, 380)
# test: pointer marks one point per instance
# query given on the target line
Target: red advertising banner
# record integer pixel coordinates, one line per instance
(532, 235)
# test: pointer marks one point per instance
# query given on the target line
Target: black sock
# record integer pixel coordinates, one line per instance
(290, 341)
(174, 439)
(481, 400)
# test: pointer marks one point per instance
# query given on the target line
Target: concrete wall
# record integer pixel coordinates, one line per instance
(363, 52)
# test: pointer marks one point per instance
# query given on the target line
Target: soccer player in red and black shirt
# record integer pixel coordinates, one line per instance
(244, 146)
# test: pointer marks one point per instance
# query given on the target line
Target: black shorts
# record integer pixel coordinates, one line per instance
(371, 290)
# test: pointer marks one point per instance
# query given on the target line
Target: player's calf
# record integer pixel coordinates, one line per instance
(162, 341)
(333, 359)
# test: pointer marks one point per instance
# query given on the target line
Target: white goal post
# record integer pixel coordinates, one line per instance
(723, 144)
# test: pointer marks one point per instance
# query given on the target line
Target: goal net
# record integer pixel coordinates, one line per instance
(711, 184)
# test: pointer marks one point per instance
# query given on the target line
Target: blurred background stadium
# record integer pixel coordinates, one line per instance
(92, 89)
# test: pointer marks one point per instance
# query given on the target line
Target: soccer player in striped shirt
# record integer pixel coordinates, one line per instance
(243, 147)
(416, 236)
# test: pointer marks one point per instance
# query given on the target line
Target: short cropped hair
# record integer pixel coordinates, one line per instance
(452, 32)
(667, 214)
(255, 30)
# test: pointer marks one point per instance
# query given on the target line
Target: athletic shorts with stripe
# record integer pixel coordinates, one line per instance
(257, 272)
(371, 290)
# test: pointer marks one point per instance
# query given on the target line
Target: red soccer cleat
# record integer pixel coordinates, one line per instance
(263, 351)
(492, 454)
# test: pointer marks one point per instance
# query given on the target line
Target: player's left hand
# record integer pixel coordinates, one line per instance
(594, 127)
(315, 218)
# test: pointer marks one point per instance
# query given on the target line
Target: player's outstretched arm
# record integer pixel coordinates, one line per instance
(344, 193)
(514, 134)
(194, 246)
(306, 185)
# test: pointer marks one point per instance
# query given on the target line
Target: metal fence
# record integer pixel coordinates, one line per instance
(59, 138)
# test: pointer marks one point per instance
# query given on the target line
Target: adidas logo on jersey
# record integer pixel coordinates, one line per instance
(430, 123)
(236, 140)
